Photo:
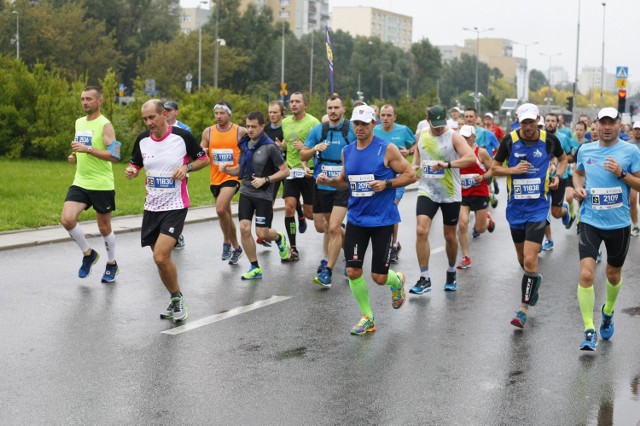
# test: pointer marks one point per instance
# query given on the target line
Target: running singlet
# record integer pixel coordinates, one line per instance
(442, 186)
(160, 158)
(469, 186)
(607, 203)
(292, 130)
(330, 160)
(367, 208)
(92, 173)
(400, 135)
(223, 149)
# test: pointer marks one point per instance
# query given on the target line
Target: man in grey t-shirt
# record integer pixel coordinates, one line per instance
(260, 165)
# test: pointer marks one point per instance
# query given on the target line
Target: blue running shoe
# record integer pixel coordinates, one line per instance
(87, 263)
(422, 286)
(235, 256)
(110, 273)
(519, 320)
(254, 273)
(590, 340)
(302, 224)
(566, 218)
(451, 284)
(323, 264)
(227, 251)
(475, 234)
(323, 278)
(547, 245)
(606, 328)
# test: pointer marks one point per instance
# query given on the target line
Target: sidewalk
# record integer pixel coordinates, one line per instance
(56, 234)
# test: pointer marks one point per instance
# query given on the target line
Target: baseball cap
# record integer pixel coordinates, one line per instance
(467, 131)
(636, 125)
(456, 108)
(608, 112)
(541, 122)
(171, 105)
(437, 116)
(363, 113)
(527, 112)
(489, 115)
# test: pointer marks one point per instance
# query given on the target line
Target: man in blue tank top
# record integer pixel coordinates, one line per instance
(527, 153)
(372, 169)
(605, 172)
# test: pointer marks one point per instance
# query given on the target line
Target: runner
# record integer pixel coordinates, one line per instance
(372, 169)
(605, 171)
(94, 150)
(164, 152)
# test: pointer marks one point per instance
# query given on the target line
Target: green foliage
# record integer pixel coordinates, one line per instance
(537, 79)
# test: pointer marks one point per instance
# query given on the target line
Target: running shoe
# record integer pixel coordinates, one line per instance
(254, 273)
(492, 225)
(547, 245)
(398, 296)
(323, 278)
(422, 286)
(451, 284)
(180, 312)
(227, 251)
(263, 242)
(235, 256)
(519, 320)
(323, 264)
(635, 231)
(606, 328)
(87, 263)
(167, 313)
(180, 244)
(465, 263)
(475, 234)
(283, 247)
(599, 257)
(496, 187)
(110, 273)
(365, 325)
(294, 256)
(302, 224)
(493, 201)
(566, 217)
(393, 256)
(590, 340)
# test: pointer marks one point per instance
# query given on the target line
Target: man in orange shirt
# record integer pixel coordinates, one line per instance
(221, 143)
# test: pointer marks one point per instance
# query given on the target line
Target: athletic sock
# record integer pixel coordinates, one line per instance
(393, 280)
(452, 268)
(256, 264)
(612, 295)
(587, 301)
(290, 225)
(110, 245)
(424, 272)
(299, 210)
(78, 236)
(176, 294)
(571, 213)
(360, 291)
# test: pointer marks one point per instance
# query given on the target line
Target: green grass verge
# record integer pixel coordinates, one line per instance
(34, 191)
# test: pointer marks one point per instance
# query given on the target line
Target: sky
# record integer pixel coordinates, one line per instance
(553, 24)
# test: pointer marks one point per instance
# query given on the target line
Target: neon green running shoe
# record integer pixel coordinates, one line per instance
(398, 296)
(254, 273)
(283, 247)
(365, 325)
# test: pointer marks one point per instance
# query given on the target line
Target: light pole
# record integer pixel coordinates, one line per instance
(15, 12)
(525, 95)
(477, 31)
(575, 82)
(549, 75)
(217, 47)
(604, 8)
(282, 82)
(311, 68)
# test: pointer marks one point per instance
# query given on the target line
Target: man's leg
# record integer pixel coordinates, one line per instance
(166, 268)
(463, 232)
(290, 219)
(71, 210)
(223, 210)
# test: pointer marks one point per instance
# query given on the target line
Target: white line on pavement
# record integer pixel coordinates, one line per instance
(219, 317)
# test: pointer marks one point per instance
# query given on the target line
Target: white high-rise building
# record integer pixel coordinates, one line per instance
(372, 22)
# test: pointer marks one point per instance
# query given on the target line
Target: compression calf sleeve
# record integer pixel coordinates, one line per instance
(530, 286)
(78, 236)
(587, 301)
(393, 280)
(612, 295)
(290, 224)
(360, 291)
(110, 245)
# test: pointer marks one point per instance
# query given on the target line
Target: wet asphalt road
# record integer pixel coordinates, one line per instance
(80, 352)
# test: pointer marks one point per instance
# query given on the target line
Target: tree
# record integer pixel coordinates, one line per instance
(427, 66)
(458, 76)
(537, 80)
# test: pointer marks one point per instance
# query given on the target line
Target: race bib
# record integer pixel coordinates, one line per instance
(331, 171)
(222, 156)
(84, 137)
(468, 180)
(161, 182)
(428, 172)
(527, 189)
(606, 198)
(359, 185)
(296, 174)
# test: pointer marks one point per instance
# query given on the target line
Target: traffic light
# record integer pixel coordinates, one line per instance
(622, 100)
(570, 103)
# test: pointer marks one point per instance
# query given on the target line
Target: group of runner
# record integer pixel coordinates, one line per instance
(336, 168)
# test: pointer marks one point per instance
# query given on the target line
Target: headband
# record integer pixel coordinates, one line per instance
(222, 107)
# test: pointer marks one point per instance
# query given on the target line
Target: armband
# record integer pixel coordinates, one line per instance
(114, 149)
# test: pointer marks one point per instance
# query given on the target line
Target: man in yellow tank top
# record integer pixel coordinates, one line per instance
(94, 150)
(221, 143)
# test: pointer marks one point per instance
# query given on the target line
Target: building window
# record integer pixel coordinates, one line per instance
(284, 3)
(284, 15)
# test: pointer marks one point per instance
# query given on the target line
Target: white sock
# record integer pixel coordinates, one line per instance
(110, 245)
(78, 236)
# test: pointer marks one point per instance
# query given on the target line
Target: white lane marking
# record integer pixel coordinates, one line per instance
(230, 313)
(437, 250)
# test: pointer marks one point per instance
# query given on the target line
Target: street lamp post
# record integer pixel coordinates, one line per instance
(526, 68)
(549, 75)
(217, 47)
(311, 68)
(477, 31)
(604, 8)
(575, 82)
(15, 12)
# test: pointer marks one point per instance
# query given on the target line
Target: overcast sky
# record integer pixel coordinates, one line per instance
(551, 23)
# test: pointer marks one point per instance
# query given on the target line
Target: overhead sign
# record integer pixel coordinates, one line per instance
(622, 72)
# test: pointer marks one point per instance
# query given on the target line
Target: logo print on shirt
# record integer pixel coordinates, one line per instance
(537, 154)
(518, 155)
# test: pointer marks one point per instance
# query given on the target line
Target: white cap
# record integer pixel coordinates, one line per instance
(363, 113)
(527, 112)
(636, 125)
(541, 122)
(467, 131)
(456, 108)
(608, 112)
(489, 115)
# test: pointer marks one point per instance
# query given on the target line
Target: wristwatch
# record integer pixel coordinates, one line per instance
(189, 166)
(90, 150)
(623, 174)
(388, 183)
